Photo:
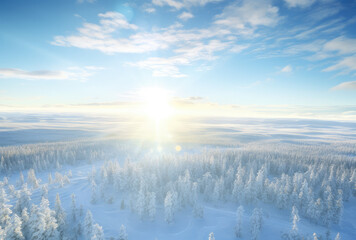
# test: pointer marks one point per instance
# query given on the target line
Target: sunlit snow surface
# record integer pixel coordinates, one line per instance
(111, 139)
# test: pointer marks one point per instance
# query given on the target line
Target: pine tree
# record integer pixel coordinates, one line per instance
(211, 236)
(339, 207)
(141, 203)
(256, 223)
(5, 210)
(60, 216)
(25, 218)
(315, 237)
(238, 227)
(48, 216)
(74, 208)
(31, 178)
(88, 224)
(50, 179)
(168, 207)
(97, 233)
(152, 206)
(94, 194)
(44, 191)
(23, 200)
(36, 224)
(123, 234)
(13, 229)
(295, 219)
(21, 180)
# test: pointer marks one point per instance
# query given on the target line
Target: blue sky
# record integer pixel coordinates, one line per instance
(241, 53)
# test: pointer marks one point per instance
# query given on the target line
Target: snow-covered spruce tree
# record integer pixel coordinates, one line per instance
(315, 237)
(5, 210)
(123, 234)
(211, 236)
(295, 219)
(238, 226)
(25, 218)
(256, 223)
(24, 199)
(141, 203)
(339, 206)
(238, 186)
(48, 216)
(36, 224)
(329, 206)
(152, 206)
(250, 188)
(218, 190)
(21, 180)
(13, 229)
(74, 208)
(97, 233)
(304, 197)
(50, 179)
(168, 207)
(44, 191)
(88, 224)
(94, 193)
(31, 179)
(260, 178)
(60, 216)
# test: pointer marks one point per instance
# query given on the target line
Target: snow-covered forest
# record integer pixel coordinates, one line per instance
(255, 190)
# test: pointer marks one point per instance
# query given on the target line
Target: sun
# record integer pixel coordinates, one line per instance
(156, 103)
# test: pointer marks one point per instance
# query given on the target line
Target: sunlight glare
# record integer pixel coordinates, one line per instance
(156, 103)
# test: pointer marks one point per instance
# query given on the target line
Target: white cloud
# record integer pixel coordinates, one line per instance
(346, 86)
(348, 63)
(169, 67)
(287, 69)
(238, 48)
(89, 1)
(299, 3)
(185, 16)
(150, 10)
(341, 45)
(111, 21)
(246, 16)
(179, 4)
(73, 73)
(100, 36)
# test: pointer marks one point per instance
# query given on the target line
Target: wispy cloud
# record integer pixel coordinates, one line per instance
(257, 25)
(246, 16)
(100, 36)
(299, 3)
(287, 69)
(83, 1)
(179, 4)
(346, 86)
(74, 73)
(150, 10)
(185, 16)
(169, 67)
(348, 64)
(341, 45)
